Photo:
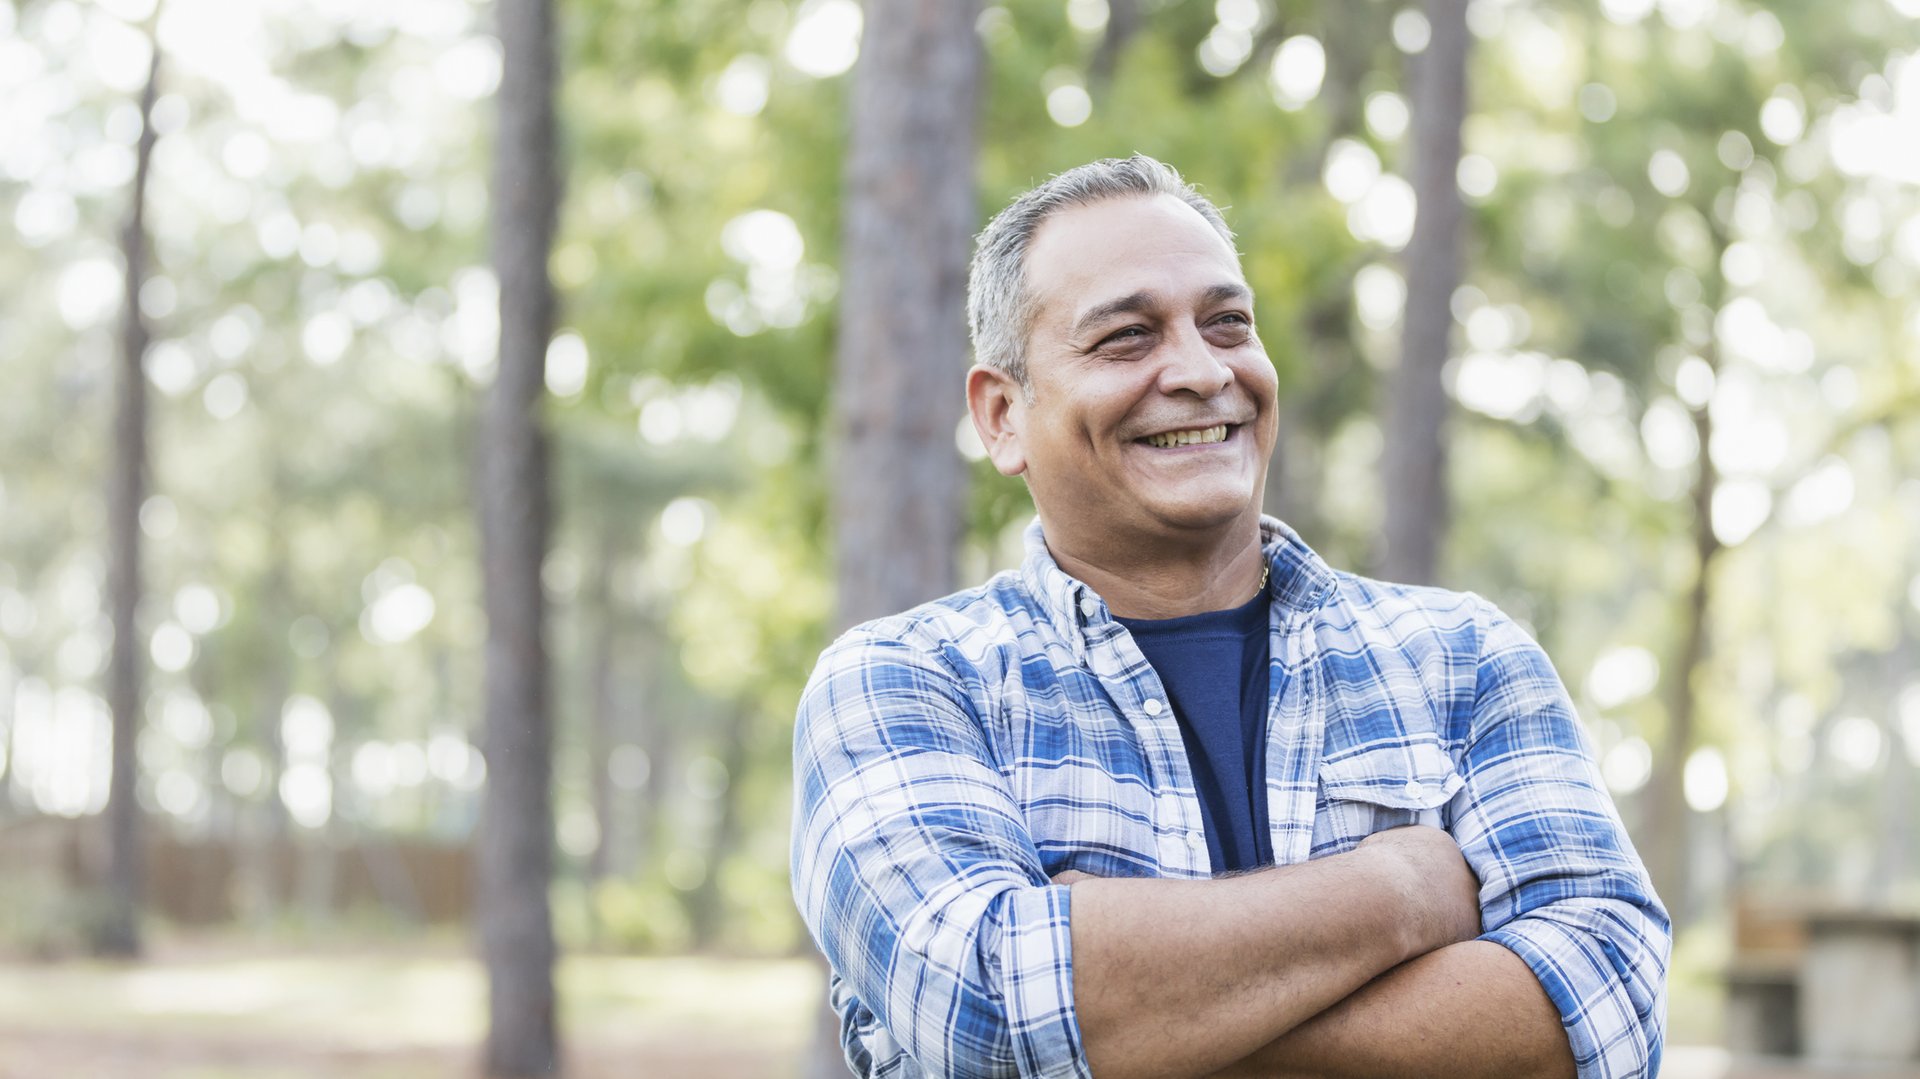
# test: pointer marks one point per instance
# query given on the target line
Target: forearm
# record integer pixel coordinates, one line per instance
(1472, 1010)
(1180, 978)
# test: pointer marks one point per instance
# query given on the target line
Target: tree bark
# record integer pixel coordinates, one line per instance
(1123, 22)
(900, 486)
(1896, 783)
(10, 721)
(600, 715)
(902, 348)
(706, 906)
(1416, 449)
(1309, 416)
(1668, 818)
(119, 931)
(515, 855)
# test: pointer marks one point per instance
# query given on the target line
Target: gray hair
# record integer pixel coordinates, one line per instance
(999, 309)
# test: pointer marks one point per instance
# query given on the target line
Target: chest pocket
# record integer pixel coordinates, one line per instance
(1372, 788)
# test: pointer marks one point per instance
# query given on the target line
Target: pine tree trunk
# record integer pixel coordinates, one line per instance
(1123, 22)
(515, 855)
(603, 625)
(9, 723)
(707, 907)
(1668, 817)
(902, 351)
(119, 931)
(902, 356)
(1296, 474)
(261, 883)
(1416, 450)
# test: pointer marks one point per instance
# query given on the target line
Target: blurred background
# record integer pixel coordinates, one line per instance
(1643, 368)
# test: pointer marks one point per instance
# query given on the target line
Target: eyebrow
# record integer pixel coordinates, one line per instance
(1136, 302)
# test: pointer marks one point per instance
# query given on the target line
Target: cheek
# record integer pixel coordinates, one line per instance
(1260, 379)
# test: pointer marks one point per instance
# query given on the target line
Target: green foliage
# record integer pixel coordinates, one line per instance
(323, 333)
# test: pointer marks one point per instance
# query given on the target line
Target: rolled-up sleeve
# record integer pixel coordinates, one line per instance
(915, 873)
(1561, 885)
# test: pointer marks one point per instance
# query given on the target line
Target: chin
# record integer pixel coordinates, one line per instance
(1201, 515)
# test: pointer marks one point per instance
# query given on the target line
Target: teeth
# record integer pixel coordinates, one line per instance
(1189, 438)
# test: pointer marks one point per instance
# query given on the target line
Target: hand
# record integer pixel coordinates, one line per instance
(1069, 876)
(1441, 889)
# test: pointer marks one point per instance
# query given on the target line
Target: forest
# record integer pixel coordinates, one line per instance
(437, 439)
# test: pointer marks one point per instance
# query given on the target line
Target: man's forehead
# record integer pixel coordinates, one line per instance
(1147, 249)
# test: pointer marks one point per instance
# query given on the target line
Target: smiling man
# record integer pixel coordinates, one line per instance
(1176, 798)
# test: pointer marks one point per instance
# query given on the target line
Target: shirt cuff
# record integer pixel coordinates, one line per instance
(1613, 1017)
(1037, 983)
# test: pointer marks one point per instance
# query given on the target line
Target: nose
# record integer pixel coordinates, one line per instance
(1190, 365)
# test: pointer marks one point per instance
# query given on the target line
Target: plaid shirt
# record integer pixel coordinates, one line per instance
(949, 760)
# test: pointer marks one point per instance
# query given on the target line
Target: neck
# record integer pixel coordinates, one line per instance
(1168, 581)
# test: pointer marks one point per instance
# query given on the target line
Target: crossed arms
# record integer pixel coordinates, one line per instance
(1361, 964)
(956, 955)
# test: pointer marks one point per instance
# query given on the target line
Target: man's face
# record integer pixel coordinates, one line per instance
(1152, 411)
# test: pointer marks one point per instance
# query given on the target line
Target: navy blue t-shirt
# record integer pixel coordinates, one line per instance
(1214, 666)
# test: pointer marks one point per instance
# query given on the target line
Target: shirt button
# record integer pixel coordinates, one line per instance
(1197, 840)
(1152, 707)
(1415, 790)
(1089, 606)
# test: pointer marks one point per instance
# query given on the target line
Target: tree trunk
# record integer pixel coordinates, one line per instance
(1123, 22)
(1669, 855)
(651, 728)
(267, 833)
(515, 855)
(899, 491)
(902, 349)
(119, 931)
(1308, 417)
(9, 720)
(1896, 781)
(1415, 460)
(706, 905)
(600, 714)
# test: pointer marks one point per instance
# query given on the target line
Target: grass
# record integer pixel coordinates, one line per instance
(389, 1006)
(390, 1012)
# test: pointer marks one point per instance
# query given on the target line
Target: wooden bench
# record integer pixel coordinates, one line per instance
(1860, 986)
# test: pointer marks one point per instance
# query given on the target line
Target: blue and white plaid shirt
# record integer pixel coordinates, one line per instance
(948, 761)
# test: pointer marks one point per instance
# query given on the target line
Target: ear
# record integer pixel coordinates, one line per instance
(997, 405)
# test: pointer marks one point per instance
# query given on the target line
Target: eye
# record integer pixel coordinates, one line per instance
(1231, 329)
(1124, 335)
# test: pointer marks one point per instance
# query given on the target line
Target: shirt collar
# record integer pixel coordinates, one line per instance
(1300, 581)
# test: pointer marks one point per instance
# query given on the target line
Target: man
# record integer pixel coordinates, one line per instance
(1175, 798)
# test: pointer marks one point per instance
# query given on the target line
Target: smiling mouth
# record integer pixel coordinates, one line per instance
(1198, 436)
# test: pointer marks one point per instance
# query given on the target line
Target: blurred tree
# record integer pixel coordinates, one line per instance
(1669, 849)
(119, 931)
(909, 220)
(1414, 490)
(321, 316)
(516, 835)
(908, 223)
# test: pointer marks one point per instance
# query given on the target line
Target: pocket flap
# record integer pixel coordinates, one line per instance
(1410, 775)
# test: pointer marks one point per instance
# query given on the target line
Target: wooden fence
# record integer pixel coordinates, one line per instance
(207, 882)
